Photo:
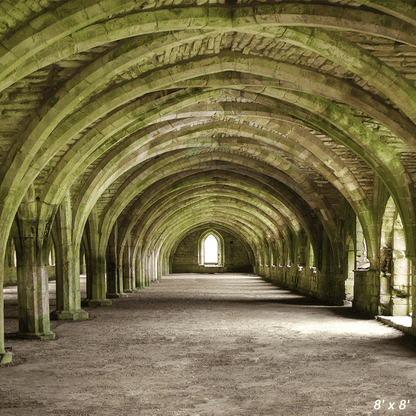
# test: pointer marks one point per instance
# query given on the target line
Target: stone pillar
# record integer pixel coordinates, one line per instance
(126, 268)
(140, 281)
(88, 272)
(401, 284)
(32, 279)
(413, 294)
(82, 265)
(367, 291)
(147, 270)
(114, 280)
(133, 271)
(165, 265)
(10, 254)
(68, 300)
(96, 291)
(401, 279)
(5, 355)
(154, 267)
(386, 263)
(159, 264)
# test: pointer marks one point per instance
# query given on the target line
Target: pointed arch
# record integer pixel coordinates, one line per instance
(202, 257)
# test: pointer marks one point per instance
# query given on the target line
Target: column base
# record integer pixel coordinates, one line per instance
(116, 295)
(6, 357)
(128, 291)
(99, 302)
(69, 315)
(31, 335)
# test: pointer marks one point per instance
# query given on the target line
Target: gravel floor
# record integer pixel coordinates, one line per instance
(204, 345)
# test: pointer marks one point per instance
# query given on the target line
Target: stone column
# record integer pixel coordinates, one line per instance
(140, 281)
(126, 268)
(96, 291)
(159, 264)
(154, 273)
(88, 273)
(401, 286)
(147, 270)
(367, 291)
(386, 263)
(413, 294)
(5, 355)
(9, 254)
(114, 280)
(68, 301)
(32, 279)
(133, 271)
(82, 265)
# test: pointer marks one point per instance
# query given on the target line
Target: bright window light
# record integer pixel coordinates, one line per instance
(211, 250)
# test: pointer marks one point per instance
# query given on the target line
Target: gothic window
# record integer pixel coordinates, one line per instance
(211, 250)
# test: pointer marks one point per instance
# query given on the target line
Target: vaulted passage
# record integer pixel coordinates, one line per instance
(223, 344)
(132, 130)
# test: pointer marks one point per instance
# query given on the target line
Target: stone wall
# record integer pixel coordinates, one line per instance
(236, 258)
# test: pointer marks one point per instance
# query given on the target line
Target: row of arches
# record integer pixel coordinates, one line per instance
(288, 128)
(294, 266)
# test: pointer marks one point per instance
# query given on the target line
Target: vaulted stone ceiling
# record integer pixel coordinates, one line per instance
(264, 118)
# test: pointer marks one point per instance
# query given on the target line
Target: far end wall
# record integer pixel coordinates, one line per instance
(236, 259)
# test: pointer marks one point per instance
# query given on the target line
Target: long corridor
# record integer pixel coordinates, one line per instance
(199, 345)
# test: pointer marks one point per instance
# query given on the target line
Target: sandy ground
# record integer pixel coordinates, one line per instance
(204, 345)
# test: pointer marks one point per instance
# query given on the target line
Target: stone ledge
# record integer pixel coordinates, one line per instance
(402, 323)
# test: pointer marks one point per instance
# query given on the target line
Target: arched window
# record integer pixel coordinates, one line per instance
(211, 250)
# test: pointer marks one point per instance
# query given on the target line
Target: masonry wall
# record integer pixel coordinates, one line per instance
(320, 278)
(236, 259)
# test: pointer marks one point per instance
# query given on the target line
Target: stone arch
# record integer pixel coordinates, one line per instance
(277, 141)
(395, 281)
(207, 157)
(393, 175)
(246, 17)
(201, 247)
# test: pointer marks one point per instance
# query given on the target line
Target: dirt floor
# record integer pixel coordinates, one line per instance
(204, 345)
